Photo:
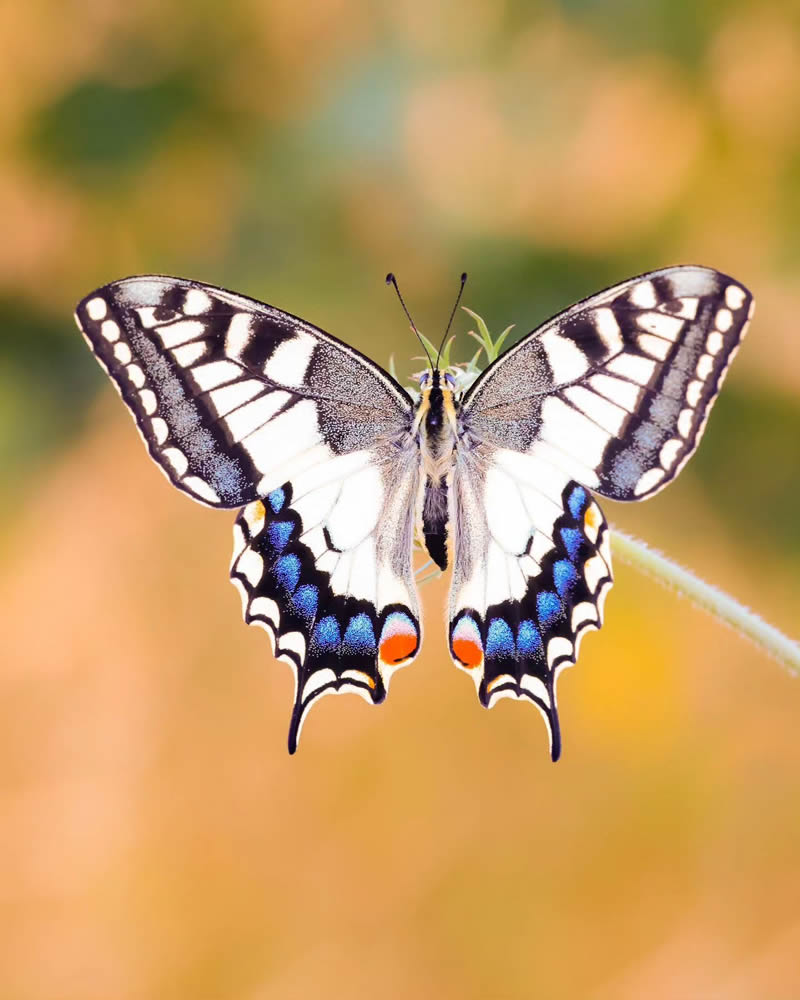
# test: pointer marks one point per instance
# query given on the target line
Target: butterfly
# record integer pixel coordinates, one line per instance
(337, 469)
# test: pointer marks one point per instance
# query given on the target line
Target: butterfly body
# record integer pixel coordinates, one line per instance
(437, 432)
(337, 470)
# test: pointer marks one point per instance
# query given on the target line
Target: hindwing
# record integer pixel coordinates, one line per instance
(323, 564)
(532, 569)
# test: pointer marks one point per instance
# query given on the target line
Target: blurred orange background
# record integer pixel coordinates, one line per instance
(156, 839)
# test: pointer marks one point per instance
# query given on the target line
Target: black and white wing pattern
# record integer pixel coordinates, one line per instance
(242, 405)
(610, 396)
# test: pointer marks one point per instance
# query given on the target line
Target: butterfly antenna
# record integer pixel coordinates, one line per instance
(391, 280)
(452, 314)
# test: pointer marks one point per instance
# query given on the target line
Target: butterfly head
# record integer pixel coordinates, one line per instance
(436, 377)
(437, 409)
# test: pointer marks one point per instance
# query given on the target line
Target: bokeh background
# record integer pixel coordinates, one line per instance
(156, 841)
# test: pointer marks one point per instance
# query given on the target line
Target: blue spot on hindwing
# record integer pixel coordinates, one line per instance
(326, 634)
(565, 576)
(305, 601)
(359, 636)
(287, 572)
(499, 638)
(529, 640)
(276, 500)
(279, 534)
(572, 539)
(548, 607)
(577, 501)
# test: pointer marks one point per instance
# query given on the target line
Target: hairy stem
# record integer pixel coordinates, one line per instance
(723, 607)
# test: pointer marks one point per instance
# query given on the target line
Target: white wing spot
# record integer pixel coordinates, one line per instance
(215, 373)
(688, 308)
(559, 647)
(177, 460)
(110, 330)
(724, 319)
(567, 361)
(656, 347)
(136, 375)
(734, 296)
(288, 363)
(594, 570)
(660, 324)
(693, 391)
(643, 294)
(583, 614)
(149, 401)
(96, 308)
(251, 566)
(685, 419)
(619, 392)
(179, 333)
(650, 479)
(196, 302)
(160, 429)
(714, 342)
(608, 329)
(201, 489)
(704, 366)
(265, 607)
(317, 680)
(294, 641)
(631, 367)
(189, 353)
(536, 687)
(232, 396)
(239, 334)
(123, 353)
(669, 452)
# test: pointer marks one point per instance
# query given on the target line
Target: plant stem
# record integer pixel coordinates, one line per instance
(723, 607)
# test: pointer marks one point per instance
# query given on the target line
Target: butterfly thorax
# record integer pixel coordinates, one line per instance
(436, 425)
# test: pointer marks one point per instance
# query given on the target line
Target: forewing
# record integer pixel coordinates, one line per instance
(531, 571)
(323, 564)
(615, 392)
(230, 395)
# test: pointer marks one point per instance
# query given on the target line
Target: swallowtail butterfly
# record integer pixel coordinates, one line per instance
(337, 469)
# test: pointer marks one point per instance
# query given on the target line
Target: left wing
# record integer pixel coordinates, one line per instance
(613, 395)
(531, 572)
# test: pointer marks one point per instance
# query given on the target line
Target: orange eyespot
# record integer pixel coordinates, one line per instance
(398, 638)
(468, 653)
(395, 648)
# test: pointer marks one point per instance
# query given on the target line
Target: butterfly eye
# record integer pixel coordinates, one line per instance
(449, 381)
(424, 379)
